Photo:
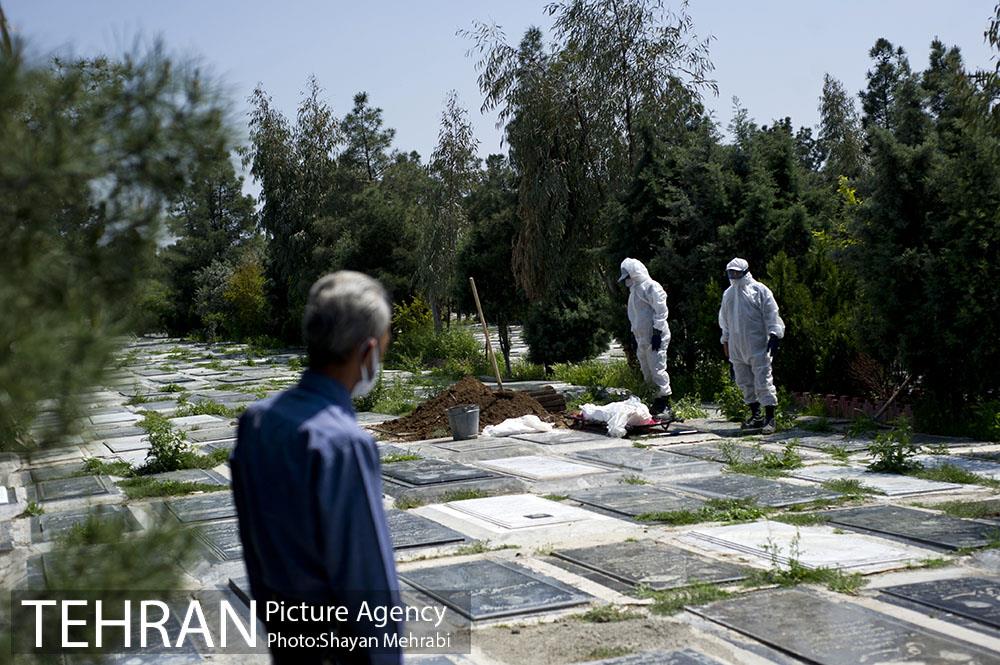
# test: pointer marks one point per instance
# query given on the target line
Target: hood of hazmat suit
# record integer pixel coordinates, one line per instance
(748, 315)
(647, 303)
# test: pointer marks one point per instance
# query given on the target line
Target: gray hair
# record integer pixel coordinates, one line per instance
(344, 310)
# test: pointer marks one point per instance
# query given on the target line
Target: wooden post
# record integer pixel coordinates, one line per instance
(486, 333)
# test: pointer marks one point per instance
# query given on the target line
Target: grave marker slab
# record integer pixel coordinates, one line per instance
(651, 564)
(203, 507)
(127, 443)
(7, 495)
(520, 511)
(537, 467)
(638, 459)
(718, 452)
(890, 484)
(681, 657)
(211, 434)
(498, 589)
(810, 626)
(54, 472)
(480, 443)
(203, 421)
(560, 436)
(820, 442)
(635, 500)
(114, 418)
(47, 526)
(433, 472)
(975, 598)
(221, 539)
(811, 546)
(227, 444)
(980, 467)
(764, 491)
(409, 530)
(71, 488)
(940, 531)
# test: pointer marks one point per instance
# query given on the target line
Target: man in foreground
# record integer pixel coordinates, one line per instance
(751, 330)
(306, 479)
(647, 313)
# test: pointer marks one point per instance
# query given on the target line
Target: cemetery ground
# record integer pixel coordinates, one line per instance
(691, 546)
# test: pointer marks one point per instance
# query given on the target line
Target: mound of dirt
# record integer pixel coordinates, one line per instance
(430, 419)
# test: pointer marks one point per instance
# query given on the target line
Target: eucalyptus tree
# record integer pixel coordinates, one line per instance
(367, 141)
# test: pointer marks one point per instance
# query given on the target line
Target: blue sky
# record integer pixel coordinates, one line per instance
(772, 54)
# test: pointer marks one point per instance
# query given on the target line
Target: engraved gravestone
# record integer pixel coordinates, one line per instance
(57, 471)
(48, 526)
(498, 589)
(222, 539)
(211, 434)
(810, 626)
(719, 452)
(890, 484)
(433, 472)
(763, 491)
(639, 459)
(974, 598)
(410, 530)
(71, 488)
(941, 531)
(520, 511)
(651, 564)
(203, 507)
(124, 444)
(201, 476)
(980, 467)
(635, 500)
(559, 436)
(537, 467)
(472, 445)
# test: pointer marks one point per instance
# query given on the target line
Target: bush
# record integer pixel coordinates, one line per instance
(730, 399)
(570, 329)
(893, 451)
(454, 351)
(246, 304)
(595, 374)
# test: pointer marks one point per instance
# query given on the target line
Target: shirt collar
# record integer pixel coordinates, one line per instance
(330, 388)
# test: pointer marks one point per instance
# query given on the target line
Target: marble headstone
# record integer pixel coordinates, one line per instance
(638, 459)
(202, 507)
(520, 511)
(559, 436)
(71, 488)
(537, 467)
(890, 484)
(49, 526)
(221, 539)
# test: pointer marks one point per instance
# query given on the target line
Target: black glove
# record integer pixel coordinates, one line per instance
(656, 340)
(772, 345)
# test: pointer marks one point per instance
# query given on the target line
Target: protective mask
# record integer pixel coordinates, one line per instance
(368, 377)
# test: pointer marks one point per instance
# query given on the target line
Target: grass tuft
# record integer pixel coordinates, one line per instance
(674, 600)
(607, 614)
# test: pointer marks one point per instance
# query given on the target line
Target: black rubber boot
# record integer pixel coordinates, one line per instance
(755, 421)
(659, 404)
(769, 424)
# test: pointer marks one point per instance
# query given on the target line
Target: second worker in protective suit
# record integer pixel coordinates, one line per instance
(647, 312)
(751, 330)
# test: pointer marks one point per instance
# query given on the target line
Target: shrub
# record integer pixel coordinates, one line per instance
(568, 329)
(595, 374)
(689, 407)
(730, 399)
(246, 304)
(893, 451)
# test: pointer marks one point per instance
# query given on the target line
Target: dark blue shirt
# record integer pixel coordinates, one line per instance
(308, 491)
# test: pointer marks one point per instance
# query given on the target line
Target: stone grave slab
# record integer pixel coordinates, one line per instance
(718, 452)
(7, 495)
(48, 526)
(480, 443)
(206, 434)
(812, 546)
(989, 456)
(368, 418)
(227, 444)
(167, 379)
(71, 488)
(821, 441)
(559, 436)
(388, 450)
(150, 372)
(679, 657)
(111, 432)
(125, 444)
(115, 418)
(638, 459)
(813, 627)
(763, 491)
(718, 426)
(635, 500)
(202, 507)
(423, 472)
(537, 467)
(56, 471)
(678, 437)
(221, 539)
(934, 529)
(203, 371)
(647, 563)
(497, 589)
(975, 598)
(520, 511)
(203, 421)
(890, 484)
(55, 455)
(202, 476)
(409, 530)
(980, 467)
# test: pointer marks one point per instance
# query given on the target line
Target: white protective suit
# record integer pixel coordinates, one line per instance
(647, 311)
(748, 316)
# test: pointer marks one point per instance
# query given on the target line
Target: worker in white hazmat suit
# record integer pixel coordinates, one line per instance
(647, 312)
(751, 330)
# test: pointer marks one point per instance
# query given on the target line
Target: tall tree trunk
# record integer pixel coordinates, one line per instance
(503, 332)
(436, 314)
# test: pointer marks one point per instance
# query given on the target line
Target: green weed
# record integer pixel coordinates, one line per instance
(141, 487)
(607, 614)
(675, 600)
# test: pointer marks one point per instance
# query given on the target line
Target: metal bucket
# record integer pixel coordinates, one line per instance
(464, 421)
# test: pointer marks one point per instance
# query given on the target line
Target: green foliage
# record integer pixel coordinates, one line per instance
(33, 509)
(837, 452)
(632, 479)
(607, 614)
(392, 459)
(462, 495)
(93, 466)
(208, 408)
(594, 374)
(851, 488)
(91, 154)
(972, 509)
(766, 463)
(688, 408)
(730, 400)
(714, 510)
(861, 425)
(893, 451)
(522, 370)
(949, 473)
(820, 424)
(454, 351)
(795, 573)
(675, 600)
(395, 399)
(142, 487)
(566, 328)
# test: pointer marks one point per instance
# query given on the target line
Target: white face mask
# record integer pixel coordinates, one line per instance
(368, 377)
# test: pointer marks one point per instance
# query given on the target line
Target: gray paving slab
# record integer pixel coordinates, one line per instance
(635, 500)
(651, 564)
(479, 443)
(560, 436)
(926, 528)
(55, 471)
(763, 491)
(637, 459)
(811, 626)
(211, 434)
(724, 451)
(496, 589)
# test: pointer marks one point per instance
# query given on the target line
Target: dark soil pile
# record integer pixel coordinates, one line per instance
(431, 418)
